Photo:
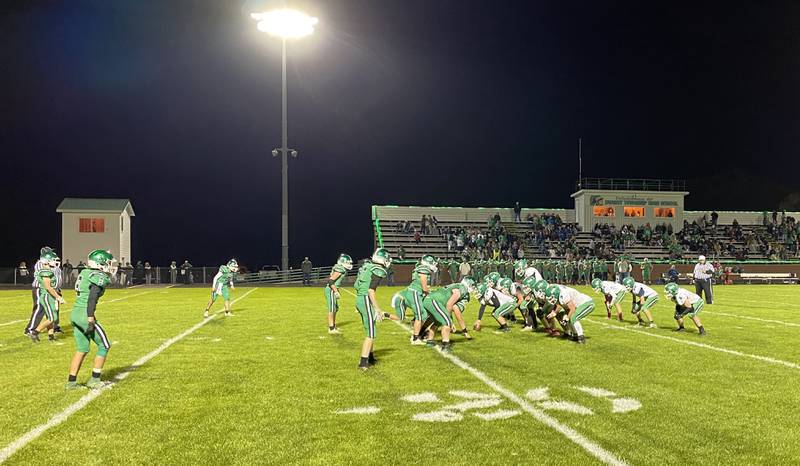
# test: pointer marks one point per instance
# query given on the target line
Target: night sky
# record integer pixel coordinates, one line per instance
(176, 105)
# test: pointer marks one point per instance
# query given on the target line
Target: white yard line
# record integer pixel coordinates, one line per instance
(34, 433)
(576, 437)
(12, 322)
(701, 345)
(770, 321)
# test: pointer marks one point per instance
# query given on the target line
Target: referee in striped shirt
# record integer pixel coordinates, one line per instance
(702, 279)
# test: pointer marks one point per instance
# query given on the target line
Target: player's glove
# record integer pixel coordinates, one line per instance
(89, 329)
(337, 295)
(565, 320)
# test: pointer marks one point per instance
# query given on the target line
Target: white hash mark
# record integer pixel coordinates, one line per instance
(421, 398)
(596, 392)
(538, 394)
(438, 416)
(496, 415)
(565, 406)
(625, 405)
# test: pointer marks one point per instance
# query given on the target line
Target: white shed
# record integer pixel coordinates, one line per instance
(89, 224)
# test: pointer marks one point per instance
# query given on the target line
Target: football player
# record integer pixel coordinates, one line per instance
(613, 292)
(686, 304)
(338, 272)
(412, 296)
(543, 309)
(368, 278)
(443, 303)
(48, 296)
(504, 300)
(644, 298)
(575, 304)
(484, 298)
(90, 286)
(221, 286)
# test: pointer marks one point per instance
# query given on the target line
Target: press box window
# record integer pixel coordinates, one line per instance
(91, 225)
(600, 211)
(634, 211)
(665, 212)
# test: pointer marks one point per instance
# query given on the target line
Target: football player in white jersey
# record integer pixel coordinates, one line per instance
(575, 304)
(644, 298)
(687, 304)
(613, 292)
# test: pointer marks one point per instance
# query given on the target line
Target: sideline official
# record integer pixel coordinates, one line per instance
(702, 279)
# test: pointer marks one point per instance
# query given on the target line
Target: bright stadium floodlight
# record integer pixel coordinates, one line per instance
(285, 24)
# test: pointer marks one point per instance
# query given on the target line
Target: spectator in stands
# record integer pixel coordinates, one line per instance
(465, 270)
(401, 253)
(703, 273)
(714, 218)
(306, 267)
(417, 236)
(517, 212)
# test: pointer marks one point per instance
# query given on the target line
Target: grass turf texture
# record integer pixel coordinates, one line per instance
(264, 386)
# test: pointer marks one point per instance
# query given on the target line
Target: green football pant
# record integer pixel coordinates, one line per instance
(692, 311)
(649, 303)
(582, 311)
(367, 311)
(221, 290)
(505, 309)
(412, 299)
(82, 340)
(331, 300)
(618, 297)
(437, 311)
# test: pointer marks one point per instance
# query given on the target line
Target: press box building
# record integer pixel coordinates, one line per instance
(89, 224)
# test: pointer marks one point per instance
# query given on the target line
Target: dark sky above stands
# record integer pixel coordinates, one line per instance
(176, 105)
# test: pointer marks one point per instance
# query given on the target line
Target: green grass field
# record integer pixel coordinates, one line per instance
(268, 385)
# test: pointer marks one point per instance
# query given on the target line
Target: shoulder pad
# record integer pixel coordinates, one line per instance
(339, 268)
(98, 278)
(379, 271)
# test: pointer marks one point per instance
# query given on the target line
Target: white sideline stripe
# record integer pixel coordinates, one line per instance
(576, 437)
(702, 345)
(770, 321)
(12, 322)
(37, 431)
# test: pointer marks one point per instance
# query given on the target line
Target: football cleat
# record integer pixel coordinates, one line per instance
(95, 383)
(526, 328)
(679, 329)
(34, 336)
(334, 331)
(581, 340)
(205, 315)
(73, 386)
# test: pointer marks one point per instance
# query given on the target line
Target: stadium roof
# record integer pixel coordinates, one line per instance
(80, 204)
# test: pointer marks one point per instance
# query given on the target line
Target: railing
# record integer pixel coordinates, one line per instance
(166, 276)
(622, 184)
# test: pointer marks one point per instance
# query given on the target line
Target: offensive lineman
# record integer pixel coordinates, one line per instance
(576, 304)
(644, 298)
(686, 304)
(613, 292)
(444, 302)
(413, 296)
(221, 286)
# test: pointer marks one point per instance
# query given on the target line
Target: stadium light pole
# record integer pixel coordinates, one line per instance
(285, 24)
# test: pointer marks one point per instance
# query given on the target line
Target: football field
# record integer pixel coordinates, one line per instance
(269, 385)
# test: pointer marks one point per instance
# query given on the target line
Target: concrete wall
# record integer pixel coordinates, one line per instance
(75, 245)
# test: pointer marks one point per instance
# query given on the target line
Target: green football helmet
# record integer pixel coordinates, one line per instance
(527, 285)
(540, 288)
(505, 285)
(345, 261)
(552, 294)
(671, 290)
(629, 282)
(597, 285)
(430, 262)
(50, 258)
(102, 260)
(469, 284)
(520, 266)
(233, 266)
(481, 290)
(382, 257)
(492, 279)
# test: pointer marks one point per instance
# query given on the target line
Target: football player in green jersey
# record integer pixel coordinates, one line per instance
(90, 286)
(338, 272)
(47, 299)
(412, 296)
(221, 286)
(442, 304)
(544, 307)
(367, 280)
